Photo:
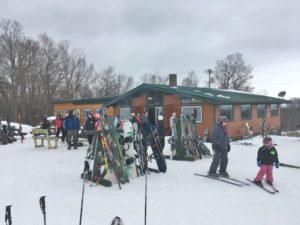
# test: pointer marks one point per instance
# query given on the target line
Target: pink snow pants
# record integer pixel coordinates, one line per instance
(265, 169)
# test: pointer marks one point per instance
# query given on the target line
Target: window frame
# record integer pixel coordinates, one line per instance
(230, 118)
(98, 111)
(199, 112)
(272, 110)
(122, 109)
(258, 111)
(250, 112)
(86, 112)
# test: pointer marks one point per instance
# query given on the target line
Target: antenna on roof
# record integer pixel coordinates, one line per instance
(282, 94)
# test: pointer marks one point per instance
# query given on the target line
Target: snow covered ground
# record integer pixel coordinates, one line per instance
(175, 198)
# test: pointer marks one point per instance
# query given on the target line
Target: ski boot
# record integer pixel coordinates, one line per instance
(258, 183)
(270, 183)
(213, 174)
(224, 174)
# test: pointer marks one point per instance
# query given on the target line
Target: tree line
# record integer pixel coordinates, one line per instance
(34, 72)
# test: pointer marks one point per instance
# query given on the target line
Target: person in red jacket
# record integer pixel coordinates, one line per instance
(59, 125)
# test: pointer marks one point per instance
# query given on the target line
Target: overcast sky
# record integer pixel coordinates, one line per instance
(174, 36)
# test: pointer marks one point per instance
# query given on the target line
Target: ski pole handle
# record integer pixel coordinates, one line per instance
(43, 204)
(8, 215)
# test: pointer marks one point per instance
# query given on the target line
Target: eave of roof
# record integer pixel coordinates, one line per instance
(101, 100)
(215, 96)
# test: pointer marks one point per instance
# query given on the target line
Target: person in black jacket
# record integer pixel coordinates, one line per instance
(221, 147)
(45, 123)
(90, 125)
(267, 156)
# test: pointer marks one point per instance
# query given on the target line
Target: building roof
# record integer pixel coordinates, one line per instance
(100, 100)
(215, 96)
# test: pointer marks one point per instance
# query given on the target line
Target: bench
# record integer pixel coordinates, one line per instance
(43, 134)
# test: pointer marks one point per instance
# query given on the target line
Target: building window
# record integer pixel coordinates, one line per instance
(86, 113)
(77, 113)
(189, 100)
(246, 112)
(227, 110)
(59, 112)
(124, 113)
(101, 112)
(261, 111)
(189, 111)
(274, 110)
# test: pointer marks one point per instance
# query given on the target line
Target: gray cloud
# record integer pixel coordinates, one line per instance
(137, 37)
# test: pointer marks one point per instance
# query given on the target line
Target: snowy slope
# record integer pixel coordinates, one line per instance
(175, 198)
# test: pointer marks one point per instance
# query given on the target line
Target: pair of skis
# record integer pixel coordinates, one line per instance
(270, 189)
(228, 180)
(240, 183)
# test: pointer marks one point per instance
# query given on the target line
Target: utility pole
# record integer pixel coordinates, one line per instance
(209, 72)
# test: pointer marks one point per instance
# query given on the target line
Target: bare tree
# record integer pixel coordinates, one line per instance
(191, 80)
(107, 83)
(70, 61)
(122, 84)
(50, 73)
(10, 37)
(233, 73)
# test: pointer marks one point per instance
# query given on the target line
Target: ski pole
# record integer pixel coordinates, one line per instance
(8, 215)
(86, 168)
(146, 195)
(43, 207)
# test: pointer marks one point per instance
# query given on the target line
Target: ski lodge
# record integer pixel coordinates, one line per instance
(244, 110)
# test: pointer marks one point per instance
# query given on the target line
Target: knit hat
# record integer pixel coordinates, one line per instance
(222, 119)
(160, 117)
(266, 140)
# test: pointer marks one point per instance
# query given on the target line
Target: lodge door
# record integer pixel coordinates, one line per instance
(151, 116)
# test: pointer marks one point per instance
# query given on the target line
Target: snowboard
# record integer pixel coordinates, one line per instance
(155, 146)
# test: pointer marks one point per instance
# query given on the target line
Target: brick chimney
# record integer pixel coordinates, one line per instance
(173, 80)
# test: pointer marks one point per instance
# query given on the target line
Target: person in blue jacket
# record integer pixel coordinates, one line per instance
(221, 147)
(72, 126)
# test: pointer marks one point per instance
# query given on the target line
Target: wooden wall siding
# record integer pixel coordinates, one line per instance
(139, 104)
(139, 101)
(116, 110)
(207, 119)
(172, 104)
(110, 111)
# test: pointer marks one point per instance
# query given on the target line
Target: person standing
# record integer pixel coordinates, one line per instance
(161, 131)
(72, 126)
(172, 127)
(221, 147)
(89, 126)
(45, 123)
(133, 121)
(58, 124)
(173, 124)
(267, 156)
(63, 129)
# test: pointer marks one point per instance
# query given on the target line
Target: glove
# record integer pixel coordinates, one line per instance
(228, 148)
(277, 165)
(258, 163)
